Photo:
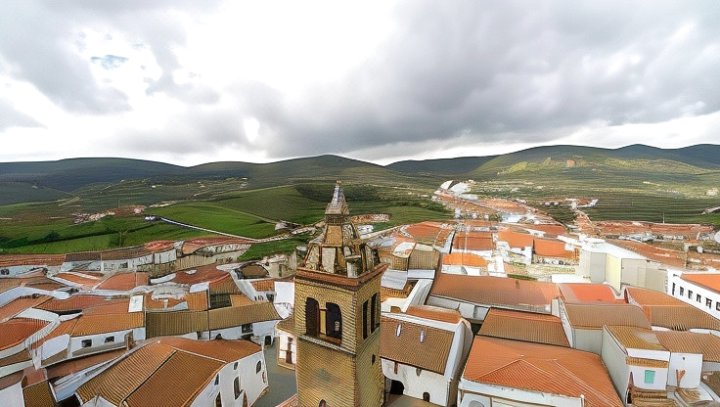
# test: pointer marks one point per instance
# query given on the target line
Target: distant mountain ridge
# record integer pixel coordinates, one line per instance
(72, 174)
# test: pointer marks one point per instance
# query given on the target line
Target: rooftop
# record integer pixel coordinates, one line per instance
(19, 305)
(516, 239)
(31, 260)
(124, 281)
(710, 281)
(414, 344)
(595, 316)
(690, 342)
(631, 337)
(435, 313)
(543, 368)
(497, 291)
(524, 326)
(643, 297)
(681, 317)
(578, 293)
(17, 330)
(464, 259)
(105, 323)
(552, 248)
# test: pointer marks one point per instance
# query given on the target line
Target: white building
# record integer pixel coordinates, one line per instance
(200, 373)
(422, 352)
(701, 290)
(501, 372)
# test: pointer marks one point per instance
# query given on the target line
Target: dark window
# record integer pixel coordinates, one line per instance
(217, 379)
(673, 289)
(717, 306)
(312, 317)
(236, 384)
(373, 359)
(333, 321)
(364, 320)
(690, 292)
(258, 367)
(698, 298)
(373, 316)
(235, 366)
(110, 339)
(323, 403)
(426, 396)
(708, 302)
(86, 343)
(247, 328)
(682, 290)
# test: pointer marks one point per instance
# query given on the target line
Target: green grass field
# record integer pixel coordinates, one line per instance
(213, 216)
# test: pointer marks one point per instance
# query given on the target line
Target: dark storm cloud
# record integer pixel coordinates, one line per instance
(480, 70)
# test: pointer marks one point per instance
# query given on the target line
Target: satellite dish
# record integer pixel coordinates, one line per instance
(717, 237)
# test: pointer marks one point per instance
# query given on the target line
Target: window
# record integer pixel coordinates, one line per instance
(217, 379)
(109, 339)
(373, 359)
(717, 306)
(235, 366)
(418, 371)
(682, 290)
(374, 320)
(312, 317)
(698, 298)
(690, 293)
(426, 396)
(708, 303)
(236, 385)
(365, 320)
(673, 289)
(247, 328)
(649, 376)
(258, 367)
(86, 343)
(333, 321)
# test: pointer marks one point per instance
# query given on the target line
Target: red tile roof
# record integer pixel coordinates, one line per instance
(17, 330)
(202, 274)
(75, 302)
(710, 281)
(588, 293)
(543, 368)
(105, 323)
(665, 256)
(644, 297)
(124, 281)
(31, 260)
(472, 242)
(19, 305)
(498, 291)
(552, 248)
(435, 313)
(524, 326)
(464, 259)
(515, 239)
(75, 365)
(595, 316)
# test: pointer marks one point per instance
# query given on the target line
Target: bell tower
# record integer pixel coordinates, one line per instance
(337, 316)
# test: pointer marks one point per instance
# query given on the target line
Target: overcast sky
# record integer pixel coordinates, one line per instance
(197, 81)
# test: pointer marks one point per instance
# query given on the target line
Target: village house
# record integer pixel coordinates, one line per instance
(17, 265)
(286, 343)
(524, 326)
(515, 246)
(465, 263)
(701, 290)
(501, 372)
(201, 373)
(474, 296)
(583, 323)
(422, 352)
(669, 313)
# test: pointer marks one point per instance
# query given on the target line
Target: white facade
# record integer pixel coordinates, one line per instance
(696, 295)
(253, 383)
(474, 394)
(441, 388)
(85, 345)
(287, 349)
(12, 396)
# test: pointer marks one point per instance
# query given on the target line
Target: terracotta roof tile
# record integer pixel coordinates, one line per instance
(39, 395)
(595, 316)
(197, 301)
(79, 279)
(689, 342)
(202, 274)
(642, 362)
(35, 281)
(64, 328)
(464, 259)
(31, 260)
(19, 305)
(105, 323)
(430, 354)
(710, 281)
(69, 367)
(229, 317)
(498, 291)
(539, 367)
(665, 256)
(124, 281)
(16, 330)
(267, 284)
(175, 323)
(187, 373)
(119, 381)
(223, 350)
(287, 324)
(524, 326)
(588, 293)
(472, 242)
(635, 338)
(681, 317)
(22, 356)
(515, 239)
(552, 248)
(548, 228)
(75, 302)
(435, 313)
(114, 306)
(643, 297)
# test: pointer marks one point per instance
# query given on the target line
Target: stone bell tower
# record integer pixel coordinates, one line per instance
(337, 316)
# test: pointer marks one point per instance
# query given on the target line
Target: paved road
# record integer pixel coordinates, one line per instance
(282, 380)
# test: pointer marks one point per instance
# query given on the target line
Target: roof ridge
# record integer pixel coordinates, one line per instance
(124, 400)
